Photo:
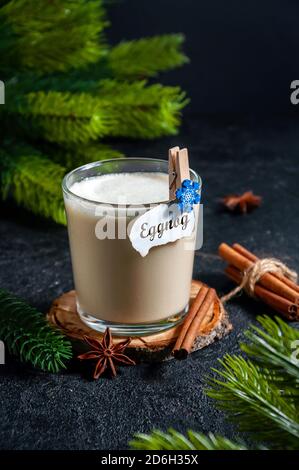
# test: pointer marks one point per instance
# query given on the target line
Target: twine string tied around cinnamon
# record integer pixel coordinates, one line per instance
(254, 273)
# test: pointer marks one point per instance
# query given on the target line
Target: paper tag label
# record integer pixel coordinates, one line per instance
(160, 225)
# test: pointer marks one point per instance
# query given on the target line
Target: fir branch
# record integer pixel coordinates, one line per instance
(254, 403)
(147, 56)
(40, 41)
(49, 36)
(117, 109)
(62, 117)
(75, 81)
(128, 60)
(172, 440)
(260, 395)
(272, 346)
(26, 334)
(142, 111)
(33, 181)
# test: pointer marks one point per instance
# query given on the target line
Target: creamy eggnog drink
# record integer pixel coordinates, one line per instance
(131, 291)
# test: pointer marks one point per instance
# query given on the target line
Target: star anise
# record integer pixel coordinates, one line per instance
(243, 203)
(106, 353)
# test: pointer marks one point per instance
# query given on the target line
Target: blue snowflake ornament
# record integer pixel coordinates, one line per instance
(188, 195)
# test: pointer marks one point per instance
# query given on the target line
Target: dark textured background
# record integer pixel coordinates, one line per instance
(66, 411)
(243, 57)
(243, 54)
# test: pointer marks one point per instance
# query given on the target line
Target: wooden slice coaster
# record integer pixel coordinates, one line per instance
(157, 347)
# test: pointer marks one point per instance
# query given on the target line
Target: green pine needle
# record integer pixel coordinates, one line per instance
(173, 440)
(147, 56)
(141, 111)
(51, 36)
(66, 89)
(129, 60)
(118, 109)
(26, 334)
(261, 394)
(254, 403)
(63, 117)
(273, 346)
(34, 182)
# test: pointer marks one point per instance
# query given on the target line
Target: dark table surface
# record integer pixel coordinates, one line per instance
(67, 411)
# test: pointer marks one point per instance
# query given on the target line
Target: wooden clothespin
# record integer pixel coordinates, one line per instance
(178, 169)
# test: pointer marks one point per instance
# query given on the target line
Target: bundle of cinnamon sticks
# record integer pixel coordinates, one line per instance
(276, 290)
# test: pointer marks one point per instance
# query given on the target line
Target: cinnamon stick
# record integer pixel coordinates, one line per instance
(199, 308)
(285, 307)
(270, 282)
(196, 304)
(251, 257)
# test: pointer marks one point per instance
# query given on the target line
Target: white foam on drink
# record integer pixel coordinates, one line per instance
(124, 188)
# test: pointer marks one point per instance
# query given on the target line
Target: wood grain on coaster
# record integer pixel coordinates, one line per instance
(157, 347)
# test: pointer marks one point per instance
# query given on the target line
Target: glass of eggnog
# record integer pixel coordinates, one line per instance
(132, 249)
